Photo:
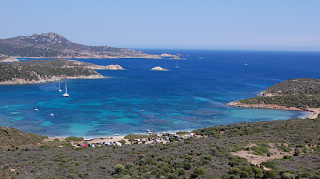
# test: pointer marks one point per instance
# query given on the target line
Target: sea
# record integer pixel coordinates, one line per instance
(136, 99)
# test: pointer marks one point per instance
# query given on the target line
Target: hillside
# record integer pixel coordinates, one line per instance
(64, 63)
(39, 71)
(12, 138)
(53, 45)
(301, 93)
(294, 87)
(209, 156)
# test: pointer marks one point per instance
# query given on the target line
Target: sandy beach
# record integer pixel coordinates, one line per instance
(94, 140)
(314, 111)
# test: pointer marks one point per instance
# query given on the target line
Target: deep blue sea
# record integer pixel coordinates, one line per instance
(185, 98)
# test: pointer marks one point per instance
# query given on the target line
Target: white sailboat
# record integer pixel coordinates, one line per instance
(66, 93)
(60, 90)
(245, 63)
(177, 65)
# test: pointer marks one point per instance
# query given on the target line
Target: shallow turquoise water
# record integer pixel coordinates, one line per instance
(185, 98)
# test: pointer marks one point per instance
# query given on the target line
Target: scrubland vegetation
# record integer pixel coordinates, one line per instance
(42, 69)
(207, 156)
(300, 92)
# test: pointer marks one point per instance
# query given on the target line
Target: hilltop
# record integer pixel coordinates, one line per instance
(53, 45)
(40, 71)
(294, 87)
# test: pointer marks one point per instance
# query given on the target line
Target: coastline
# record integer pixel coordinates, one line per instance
(93, 57)
(314, 111)
(94, 140)
(50, 80)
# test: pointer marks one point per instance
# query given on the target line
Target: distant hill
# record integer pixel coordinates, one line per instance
(53, 45)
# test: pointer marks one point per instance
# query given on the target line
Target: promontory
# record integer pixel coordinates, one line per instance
(294, 94)
(41, 71)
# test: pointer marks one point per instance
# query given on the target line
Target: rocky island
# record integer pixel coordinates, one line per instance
(53, 45)
(41, 71)
(158, 68)
(294, 94)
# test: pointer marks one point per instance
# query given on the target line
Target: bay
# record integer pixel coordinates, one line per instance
(131, 101)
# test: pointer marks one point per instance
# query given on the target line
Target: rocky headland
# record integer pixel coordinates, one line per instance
(295, 94)
(42, 71)
(172, 57)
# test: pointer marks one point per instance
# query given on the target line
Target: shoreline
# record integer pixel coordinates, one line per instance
(52, 80)
(110, 57)
(314, 111)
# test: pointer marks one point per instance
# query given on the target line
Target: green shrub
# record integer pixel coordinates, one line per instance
(72, 138)
(6, 166)
(269, 164)
(187, 166)
(235, 171)
(287, 176)
(119, 168)
(129, 166)
(181, 171)
(244, 174)
(122, 141)
(270, 174)
(296, 153)
(197, 172)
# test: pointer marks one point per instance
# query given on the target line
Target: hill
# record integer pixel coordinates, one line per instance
(12, 138)
(207, 156)
(294, 94)
(39, 71)
(294, 87)
(53, 45)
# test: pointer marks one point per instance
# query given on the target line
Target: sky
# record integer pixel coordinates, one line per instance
(170, 24)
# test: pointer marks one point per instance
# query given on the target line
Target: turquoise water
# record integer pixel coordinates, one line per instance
(185, 98)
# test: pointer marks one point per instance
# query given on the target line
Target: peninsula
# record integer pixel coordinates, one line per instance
(41, 71)
(294, 94)
(53, 45)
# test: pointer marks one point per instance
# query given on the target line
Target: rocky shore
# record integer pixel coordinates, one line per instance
(9, 60)
(46, 80)
(108, 67)
(262, 106)
(314, 111)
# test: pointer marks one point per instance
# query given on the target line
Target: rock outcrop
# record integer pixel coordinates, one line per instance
(9, 60)
(262, 106)
(158, 68)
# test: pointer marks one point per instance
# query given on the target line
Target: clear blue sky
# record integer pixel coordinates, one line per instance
(182, 24)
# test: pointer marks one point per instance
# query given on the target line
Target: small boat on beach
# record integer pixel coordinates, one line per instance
(66, 95)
